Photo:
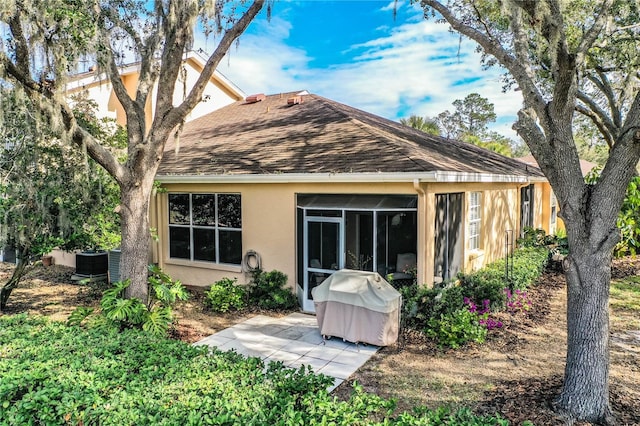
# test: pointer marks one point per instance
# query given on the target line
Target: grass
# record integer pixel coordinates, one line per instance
(624, 302)
(625, 294)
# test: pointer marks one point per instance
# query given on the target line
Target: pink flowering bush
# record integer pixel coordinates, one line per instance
(483, 313)
(517, 301)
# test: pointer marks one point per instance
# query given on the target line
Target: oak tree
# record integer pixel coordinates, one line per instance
(568, 58)
(49, 37)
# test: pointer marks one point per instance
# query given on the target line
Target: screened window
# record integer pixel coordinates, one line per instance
(475, 218)
(205, 227)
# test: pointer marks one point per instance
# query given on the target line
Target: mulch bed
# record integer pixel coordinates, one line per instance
(532, 398)
(625, 267)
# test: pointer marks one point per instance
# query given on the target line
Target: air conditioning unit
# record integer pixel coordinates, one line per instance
(114, 265)
(92, 264)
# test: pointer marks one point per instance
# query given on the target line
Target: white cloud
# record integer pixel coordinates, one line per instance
(418, 67)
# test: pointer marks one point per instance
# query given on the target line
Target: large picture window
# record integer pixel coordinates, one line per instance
(474, 220)
(205, 227)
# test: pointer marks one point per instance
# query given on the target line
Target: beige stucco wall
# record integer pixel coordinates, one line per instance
(499, 214)
(216, 93)
(269, 224)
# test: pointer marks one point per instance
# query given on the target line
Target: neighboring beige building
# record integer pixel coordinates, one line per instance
(219, 92)
(310, 186)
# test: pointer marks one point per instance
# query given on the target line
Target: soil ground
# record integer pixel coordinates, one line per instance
(517, 372)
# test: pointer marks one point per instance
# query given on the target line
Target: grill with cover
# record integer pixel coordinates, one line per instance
(358, 306)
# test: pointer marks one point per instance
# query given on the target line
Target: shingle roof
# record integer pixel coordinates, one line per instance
(319, 136)
(585, 166)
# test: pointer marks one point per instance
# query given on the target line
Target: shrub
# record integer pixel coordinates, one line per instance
(456, 329)
(58, 375)
(116, 311)
(527, 265)
(268, 291)
(419, 303)
(225, 295)
(517, 301)
(486, 284)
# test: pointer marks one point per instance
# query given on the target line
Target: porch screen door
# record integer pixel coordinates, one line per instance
(323, 253)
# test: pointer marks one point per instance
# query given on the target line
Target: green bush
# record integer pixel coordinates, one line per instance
(121, 313)
(455, 329)
(268, 291)
(225, 295)
(527, 265)
(419, 303)
(486, 284)
(58, 375)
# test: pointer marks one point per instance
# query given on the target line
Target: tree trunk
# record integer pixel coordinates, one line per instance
(585, 393)
(19, 272)
(136, 239)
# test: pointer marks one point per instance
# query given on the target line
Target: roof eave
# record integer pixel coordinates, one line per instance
(345, 178)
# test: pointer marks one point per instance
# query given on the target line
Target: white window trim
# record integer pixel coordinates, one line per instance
(475, 218)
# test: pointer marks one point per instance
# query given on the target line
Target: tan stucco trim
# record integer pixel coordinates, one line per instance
(421, 225)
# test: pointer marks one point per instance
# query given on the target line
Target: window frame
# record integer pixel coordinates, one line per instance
(474, 220)
(554, 209)
(215, 227)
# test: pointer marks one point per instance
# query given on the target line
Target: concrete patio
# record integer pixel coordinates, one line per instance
(295, 340)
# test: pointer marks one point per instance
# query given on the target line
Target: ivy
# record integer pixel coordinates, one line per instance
(54, 374)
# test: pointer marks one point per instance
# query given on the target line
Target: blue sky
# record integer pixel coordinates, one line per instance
(355, 52)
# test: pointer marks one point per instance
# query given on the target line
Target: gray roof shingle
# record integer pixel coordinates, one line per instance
(319, 136)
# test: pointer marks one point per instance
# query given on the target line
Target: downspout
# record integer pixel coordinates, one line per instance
(422, 246)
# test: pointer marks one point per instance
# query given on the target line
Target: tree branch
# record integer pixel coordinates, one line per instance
(177, 114)
(532, 95)
(599, 117)
(113, 72)
(22, 47)
(589, 38)
(602, 83)
(602, 128)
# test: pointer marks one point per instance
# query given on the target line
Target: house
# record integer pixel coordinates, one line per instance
(307, 186)
(219, 92)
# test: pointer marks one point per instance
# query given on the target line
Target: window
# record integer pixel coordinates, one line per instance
(474, 220)
(554, 209)
(205, 227)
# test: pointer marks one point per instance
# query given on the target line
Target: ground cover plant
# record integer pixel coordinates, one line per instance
(509, 374)
(56, 374)
(118, 312)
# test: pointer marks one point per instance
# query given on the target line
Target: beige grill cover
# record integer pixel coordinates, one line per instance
(358, 306)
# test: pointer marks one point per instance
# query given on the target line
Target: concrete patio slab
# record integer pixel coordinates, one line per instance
(293, 340)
